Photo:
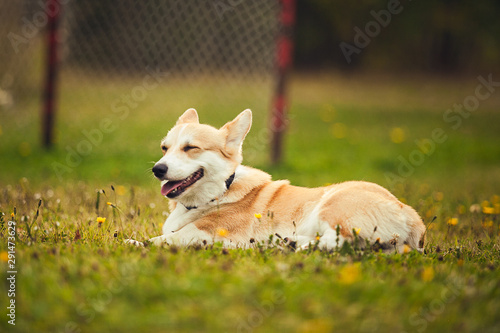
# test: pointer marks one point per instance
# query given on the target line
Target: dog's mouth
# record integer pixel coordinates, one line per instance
(174, 188)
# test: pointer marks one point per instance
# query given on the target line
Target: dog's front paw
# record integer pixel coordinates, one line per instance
(134, 242)
(304, 247)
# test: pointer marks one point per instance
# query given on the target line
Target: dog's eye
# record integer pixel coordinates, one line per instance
(164, 149)
(188, 148)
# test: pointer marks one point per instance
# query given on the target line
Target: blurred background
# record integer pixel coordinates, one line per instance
(369, 80)
(445, 36)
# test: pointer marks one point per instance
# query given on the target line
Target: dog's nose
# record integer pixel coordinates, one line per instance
(160, 170)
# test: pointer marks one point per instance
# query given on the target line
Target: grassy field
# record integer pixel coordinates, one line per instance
(73, 206)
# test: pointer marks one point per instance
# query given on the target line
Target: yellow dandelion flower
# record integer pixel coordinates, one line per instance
(121, 190)
(101, 219)
(258, 215)
(12, 215)
(497, 208)
(485, 203)
(452, 221)
(317, 238)
(339, 130)
(438, 196)
(4, 256)
(222, 232)
(406, 249)
(109, 203)
(397, 135)
(495, 199)
(350, 273)
(487, 224)
(427, 274)
(357, 231)
(488, 210)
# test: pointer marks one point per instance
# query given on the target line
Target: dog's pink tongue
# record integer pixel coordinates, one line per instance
(169, 187)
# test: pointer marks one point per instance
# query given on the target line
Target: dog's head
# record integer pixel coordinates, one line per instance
(198, 159)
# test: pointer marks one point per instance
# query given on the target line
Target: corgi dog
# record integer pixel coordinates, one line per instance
(214, 198)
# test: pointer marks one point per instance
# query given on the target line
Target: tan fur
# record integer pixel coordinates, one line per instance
(282, 204)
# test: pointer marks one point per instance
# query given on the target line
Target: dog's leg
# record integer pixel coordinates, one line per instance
(160, 240)
(186, 236)
(303, 242)
(134, 242)
(155, 241)
(328, 241)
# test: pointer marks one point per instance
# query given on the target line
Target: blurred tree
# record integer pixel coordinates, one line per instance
(449, 36)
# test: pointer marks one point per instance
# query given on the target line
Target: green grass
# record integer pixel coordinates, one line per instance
(76, 275)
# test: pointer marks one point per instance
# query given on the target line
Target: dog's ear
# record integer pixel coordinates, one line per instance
(190, 116)
(237, 129)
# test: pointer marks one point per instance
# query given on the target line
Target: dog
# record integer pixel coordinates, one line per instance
(214, 198)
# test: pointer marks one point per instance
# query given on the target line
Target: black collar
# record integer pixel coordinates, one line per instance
(229, 181)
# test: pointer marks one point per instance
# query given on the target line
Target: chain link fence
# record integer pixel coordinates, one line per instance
(218, 50)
